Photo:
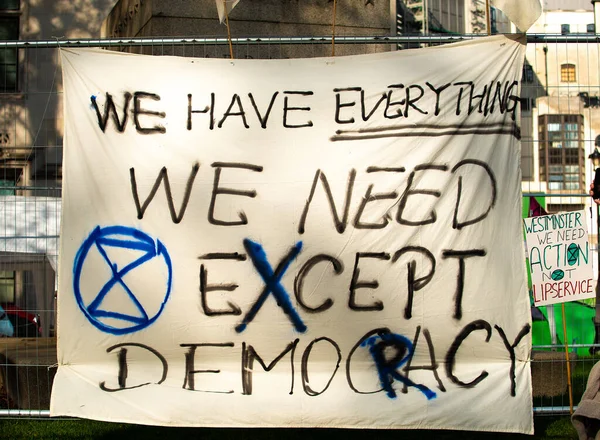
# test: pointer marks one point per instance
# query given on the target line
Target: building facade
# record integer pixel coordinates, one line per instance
(560, 108)
(31, 147)
(449, 17)
(252, 18)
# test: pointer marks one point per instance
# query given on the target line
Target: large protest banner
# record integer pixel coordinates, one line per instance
(317, 242)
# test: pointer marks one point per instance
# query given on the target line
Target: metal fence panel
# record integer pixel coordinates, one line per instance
(560, 124)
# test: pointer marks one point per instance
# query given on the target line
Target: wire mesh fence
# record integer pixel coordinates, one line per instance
(560, 127)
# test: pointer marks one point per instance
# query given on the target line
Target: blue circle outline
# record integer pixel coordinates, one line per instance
(97, 233)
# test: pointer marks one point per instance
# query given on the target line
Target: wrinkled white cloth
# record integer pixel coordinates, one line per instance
(523, 13)
(222, 4)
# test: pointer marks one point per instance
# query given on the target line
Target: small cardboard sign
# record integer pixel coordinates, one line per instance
(559, 258)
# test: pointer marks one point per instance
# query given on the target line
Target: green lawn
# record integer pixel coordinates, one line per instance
(546, 428)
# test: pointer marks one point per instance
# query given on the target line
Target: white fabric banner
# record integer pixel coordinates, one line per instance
(523, 13)
(222, 4)
(309, 242)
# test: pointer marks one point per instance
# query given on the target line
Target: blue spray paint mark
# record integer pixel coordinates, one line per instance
(124, 238)
(272, 284)
(387, 367)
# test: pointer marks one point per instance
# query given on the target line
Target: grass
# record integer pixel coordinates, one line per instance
(546, 427)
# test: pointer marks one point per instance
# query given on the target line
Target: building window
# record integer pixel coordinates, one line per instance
(10, 179)
(591, 28)
(7, 187)
(7, 286)
(9, 30)
(527, 73)
(565, 29)
(493, 21)
(562, 162)
(10, 5)
(567, 73)
(527, 104)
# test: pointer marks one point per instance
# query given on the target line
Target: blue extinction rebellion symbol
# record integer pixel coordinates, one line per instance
(121, 279)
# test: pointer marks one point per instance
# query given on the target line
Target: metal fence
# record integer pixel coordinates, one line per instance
(560, 125)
